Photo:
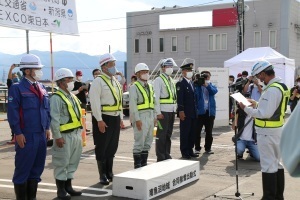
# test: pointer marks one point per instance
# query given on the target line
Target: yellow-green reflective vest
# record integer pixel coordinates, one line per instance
(74, 120)
(277, 120)
(148, 100)
(171, 98)
(117, 98)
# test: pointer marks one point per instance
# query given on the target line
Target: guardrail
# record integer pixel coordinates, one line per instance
(3, 98)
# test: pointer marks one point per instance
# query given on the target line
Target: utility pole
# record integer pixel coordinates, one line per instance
(241, 24)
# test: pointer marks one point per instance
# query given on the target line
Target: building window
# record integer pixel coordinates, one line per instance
(161, 44)
(187, 44)
(174, 44)
(257, 39)
(136, 46)
(217, 42)
(149, 45)
(272, 39)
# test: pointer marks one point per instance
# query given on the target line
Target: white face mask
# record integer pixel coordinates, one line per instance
(230, 82)
(70, 86)
(298, 83)
(169, 71)
(207, 81)
(145, 77)
(38, 74)
(79, 78)
(189, 75)
(244, 78)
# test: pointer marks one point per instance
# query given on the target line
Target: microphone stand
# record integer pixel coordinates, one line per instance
(237, 193)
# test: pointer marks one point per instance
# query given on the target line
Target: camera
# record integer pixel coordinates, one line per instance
(239, 85)
(200, 79)
(17, 65)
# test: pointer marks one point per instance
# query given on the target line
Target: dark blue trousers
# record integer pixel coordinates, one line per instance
(30, 160)
(187, 135)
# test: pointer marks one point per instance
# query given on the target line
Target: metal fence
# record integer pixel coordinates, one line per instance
(3, 98)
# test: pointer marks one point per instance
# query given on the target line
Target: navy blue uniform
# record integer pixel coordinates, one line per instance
(186, 102)
(29, 114)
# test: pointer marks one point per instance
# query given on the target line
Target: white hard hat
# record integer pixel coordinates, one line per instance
(168, 62)
(106, 58)
(259, 67)
(140, 67)
(63, 73)
(30, 61)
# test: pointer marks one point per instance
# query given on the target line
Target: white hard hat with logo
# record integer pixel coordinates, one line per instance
(140, 67)
(63, 73)
(260, 66)
(106, 58)
(168, 62)
(30, 61)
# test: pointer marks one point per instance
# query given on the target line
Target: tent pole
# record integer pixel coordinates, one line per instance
(51, 59)
(27, 41)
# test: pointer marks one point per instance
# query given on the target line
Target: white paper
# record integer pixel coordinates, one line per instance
(240, 98)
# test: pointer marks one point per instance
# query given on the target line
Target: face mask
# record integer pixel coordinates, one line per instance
(244, 78)
(230, 82)
(38, 74)
(207, 81)
(70, 86)
(189, 75)
(112, 70)
(145, 77)
(169, 71)
(298, 83)
(15, 80)
(79, 78)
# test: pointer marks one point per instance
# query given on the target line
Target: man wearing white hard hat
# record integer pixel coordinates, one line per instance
(269, 114)
(29, 119)
(165, 108)
(141, 106)
(106, 103)
(66, 127)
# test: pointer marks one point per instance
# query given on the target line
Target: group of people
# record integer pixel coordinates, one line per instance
(31, 115)
(158, 103)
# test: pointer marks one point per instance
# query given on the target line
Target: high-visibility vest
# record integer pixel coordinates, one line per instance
(74, 120)
(117, 98)
(148, 100)
(171, 98)
(277, 120)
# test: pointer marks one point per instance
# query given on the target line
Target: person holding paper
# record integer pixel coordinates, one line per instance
(269, 115)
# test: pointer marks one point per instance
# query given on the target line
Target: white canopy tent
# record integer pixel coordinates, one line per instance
(284, 67)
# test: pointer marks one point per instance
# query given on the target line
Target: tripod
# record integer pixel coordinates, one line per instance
(236, 136)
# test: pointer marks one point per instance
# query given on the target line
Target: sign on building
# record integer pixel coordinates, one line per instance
(53, 16)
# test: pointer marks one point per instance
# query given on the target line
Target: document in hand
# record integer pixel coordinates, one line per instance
(240, 98)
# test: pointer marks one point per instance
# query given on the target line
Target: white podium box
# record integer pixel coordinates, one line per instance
(155, 179)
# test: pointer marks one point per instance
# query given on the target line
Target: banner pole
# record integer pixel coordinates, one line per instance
(51, 59)
(27, 41)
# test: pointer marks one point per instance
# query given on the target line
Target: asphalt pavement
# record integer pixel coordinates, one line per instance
(219, 174)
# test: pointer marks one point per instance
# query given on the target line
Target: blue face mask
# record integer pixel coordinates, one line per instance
(15, 80)
(112, 70)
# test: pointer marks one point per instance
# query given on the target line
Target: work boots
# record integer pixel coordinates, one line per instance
(102, 172)
(32, 186)
(144, 158)
(137, 160)
(269, 182)
(280, 184)
(109, 168)
(69, 189)
(21, 191)
(61, 191)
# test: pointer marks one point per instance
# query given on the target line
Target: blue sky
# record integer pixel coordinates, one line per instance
(100, 25)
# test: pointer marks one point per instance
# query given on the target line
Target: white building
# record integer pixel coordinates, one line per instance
(151, 34)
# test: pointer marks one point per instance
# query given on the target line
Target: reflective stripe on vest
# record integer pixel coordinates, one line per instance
(277, 120)
(117, 98)
(74, 120)
(148, 101)
(171, 98)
